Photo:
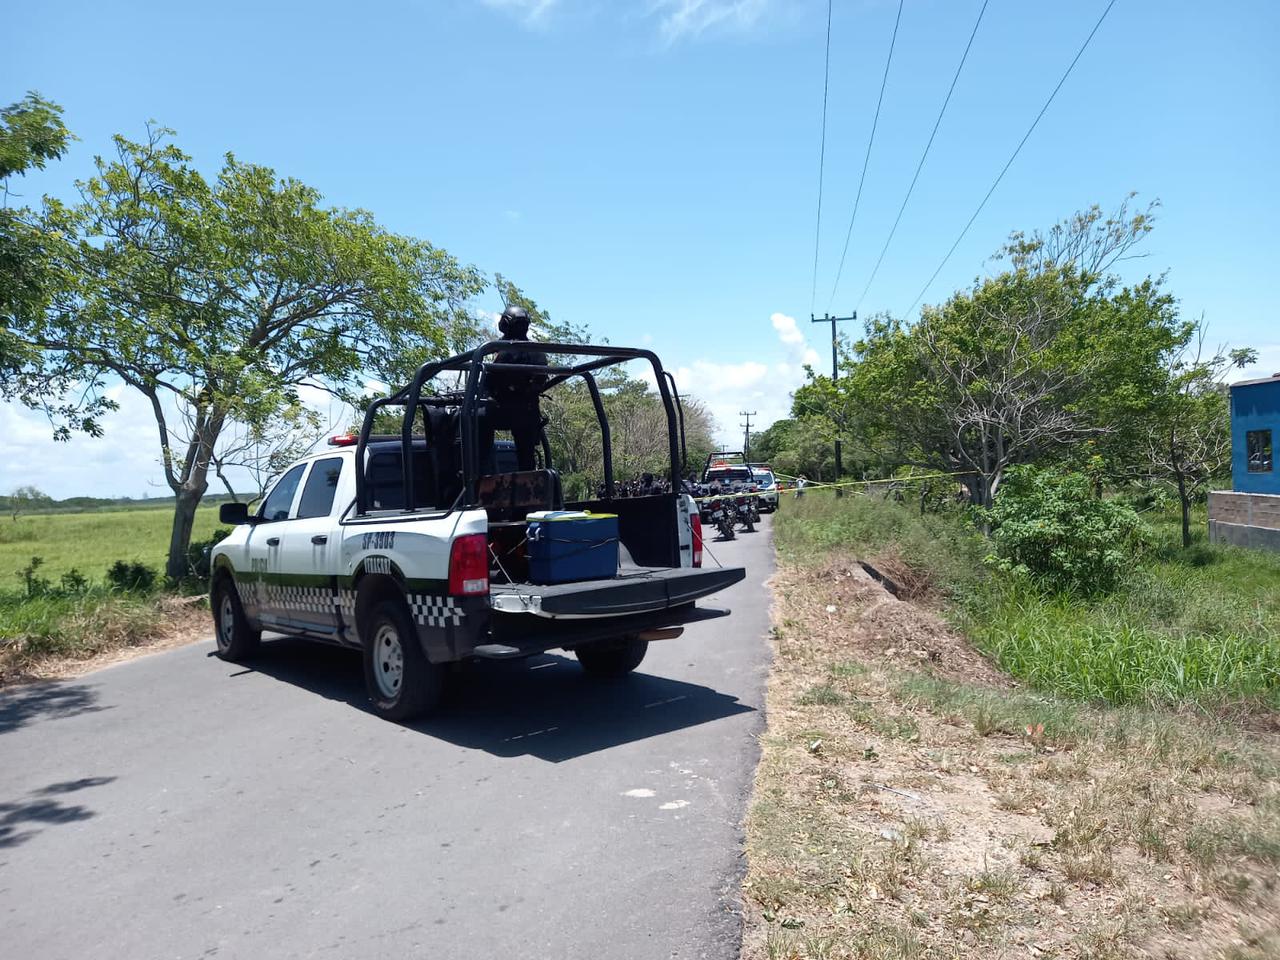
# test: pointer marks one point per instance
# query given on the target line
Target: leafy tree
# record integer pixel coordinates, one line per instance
(800, 445)
(31, 134)
(27, 498)
(216, 300)
(1048, 360)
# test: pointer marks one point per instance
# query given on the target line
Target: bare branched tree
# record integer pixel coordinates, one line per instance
(1188, 441)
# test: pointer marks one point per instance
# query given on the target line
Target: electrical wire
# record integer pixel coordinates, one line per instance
(875, 122)
(1079, 53)
(822, 158)
(920, 166)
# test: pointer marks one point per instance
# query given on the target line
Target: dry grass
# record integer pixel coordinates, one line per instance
(94, 633)
(912, 803)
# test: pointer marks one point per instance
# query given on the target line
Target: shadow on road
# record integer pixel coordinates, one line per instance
(18, 818)
(543, 707)
(45, 701)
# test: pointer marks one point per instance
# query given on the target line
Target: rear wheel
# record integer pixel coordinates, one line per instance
(612, 658)
(401, 682)
(235, 638)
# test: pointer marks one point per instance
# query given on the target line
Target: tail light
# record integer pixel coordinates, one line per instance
(695, 524)
(469, 565)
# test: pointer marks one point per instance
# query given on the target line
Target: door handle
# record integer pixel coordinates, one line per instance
(273, 541)
(319, 538)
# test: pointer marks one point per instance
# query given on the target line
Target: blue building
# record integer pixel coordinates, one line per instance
(1255, 428)
(1248, 514)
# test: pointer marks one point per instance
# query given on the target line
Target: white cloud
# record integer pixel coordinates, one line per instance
(765, 388)
(532, 12)
(689, 18)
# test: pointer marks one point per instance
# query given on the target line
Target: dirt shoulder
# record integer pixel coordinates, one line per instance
(175, 622)
(912, 802)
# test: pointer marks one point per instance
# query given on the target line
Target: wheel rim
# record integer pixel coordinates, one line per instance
(388, 660)
(226, 622)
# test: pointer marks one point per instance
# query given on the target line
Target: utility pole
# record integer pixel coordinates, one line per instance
(835, 375)
(746, 435)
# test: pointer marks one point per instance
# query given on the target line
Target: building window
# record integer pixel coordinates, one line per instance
(1258, 443)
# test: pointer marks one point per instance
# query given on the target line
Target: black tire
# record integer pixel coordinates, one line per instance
(236, 640)
(612, 658)
(401, 682)
(726, 530)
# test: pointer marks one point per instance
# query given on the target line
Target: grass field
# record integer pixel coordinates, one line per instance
(1197, 625)
(90, 542)
(914, 801)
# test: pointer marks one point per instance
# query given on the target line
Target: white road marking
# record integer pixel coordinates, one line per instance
(639, 792)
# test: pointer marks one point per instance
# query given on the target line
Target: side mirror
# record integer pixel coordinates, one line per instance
(234, 514)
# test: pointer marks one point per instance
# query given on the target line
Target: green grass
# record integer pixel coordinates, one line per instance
(936, 547)
(90, 542)
(1200, 625)
(35, 629)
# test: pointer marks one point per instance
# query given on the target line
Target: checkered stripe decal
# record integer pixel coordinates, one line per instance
(300, 599)
(432, 610)
(346, 604)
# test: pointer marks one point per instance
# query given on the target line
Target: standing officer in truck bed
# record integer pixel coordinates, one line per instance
(515, 393)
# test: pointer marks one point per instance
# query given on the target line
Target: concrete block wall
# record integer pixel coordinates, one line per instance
(1245, 519)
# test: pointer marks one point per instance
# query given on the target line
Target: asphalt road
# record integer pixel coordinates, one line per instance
(177, 806)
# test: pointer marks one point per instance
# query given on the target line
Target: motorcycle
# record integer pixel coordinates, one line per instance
(746, 513)
(723, 517)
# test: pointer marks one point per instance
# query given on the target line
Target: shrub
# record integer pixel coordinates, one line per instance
(73, 582)
(200, 551)
(34, 584)
(131, 576)
(1049, 526)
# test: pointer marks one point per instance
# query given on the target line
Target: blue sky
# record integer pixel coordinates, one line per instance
(649, 167)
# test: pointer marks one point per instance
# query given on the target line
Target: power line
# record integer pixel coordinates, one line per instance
(920, 166)
(1017, 150)
(822, 157)
(870, 141)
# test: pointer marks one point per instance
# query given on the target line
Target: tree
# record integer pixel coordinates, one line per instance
(1024, 366)
(27, 498)
(264, 450)
(217, 301)
(31, 134)
(1188, 425)
(800, 445)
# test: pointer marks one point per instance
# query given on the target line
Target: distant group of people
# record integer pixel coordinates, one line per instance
(646, 485)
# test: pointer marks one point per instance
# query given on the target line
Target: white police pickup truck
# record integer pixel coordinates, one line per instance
(414, 548)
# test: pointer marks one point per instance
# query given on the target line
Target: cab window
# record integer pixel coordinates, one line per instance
(321, 485)
(278, 503)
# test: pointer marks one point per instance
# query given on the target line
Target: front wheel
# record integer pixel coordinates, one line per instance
(612, 658)
(726, 529)
(402, 683)
(235, 639)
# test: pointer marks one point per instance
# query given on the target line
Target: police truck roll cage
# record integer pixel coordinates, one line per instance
(467, 403)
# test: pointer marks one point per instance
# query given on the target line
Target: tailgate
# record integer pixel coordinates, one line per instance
(635, 591)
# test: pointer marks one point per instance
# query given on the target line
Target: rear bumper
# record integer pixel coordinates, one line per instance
(643, 591)
(528, 636)
(532, 618)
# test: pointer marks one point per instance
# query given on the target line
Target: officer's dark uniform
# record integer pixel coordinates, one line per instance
(515, 394)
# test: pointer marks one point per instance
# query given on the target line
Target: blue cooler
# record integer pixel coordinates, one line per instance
(569, 545)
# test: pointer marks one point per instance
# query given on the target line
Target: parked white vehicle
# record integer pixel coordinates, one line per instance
(767, 485)
(338, 552)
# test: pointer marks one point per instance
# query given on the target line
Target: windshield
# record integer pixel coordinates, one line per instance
(763, 477)
(729, 475)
